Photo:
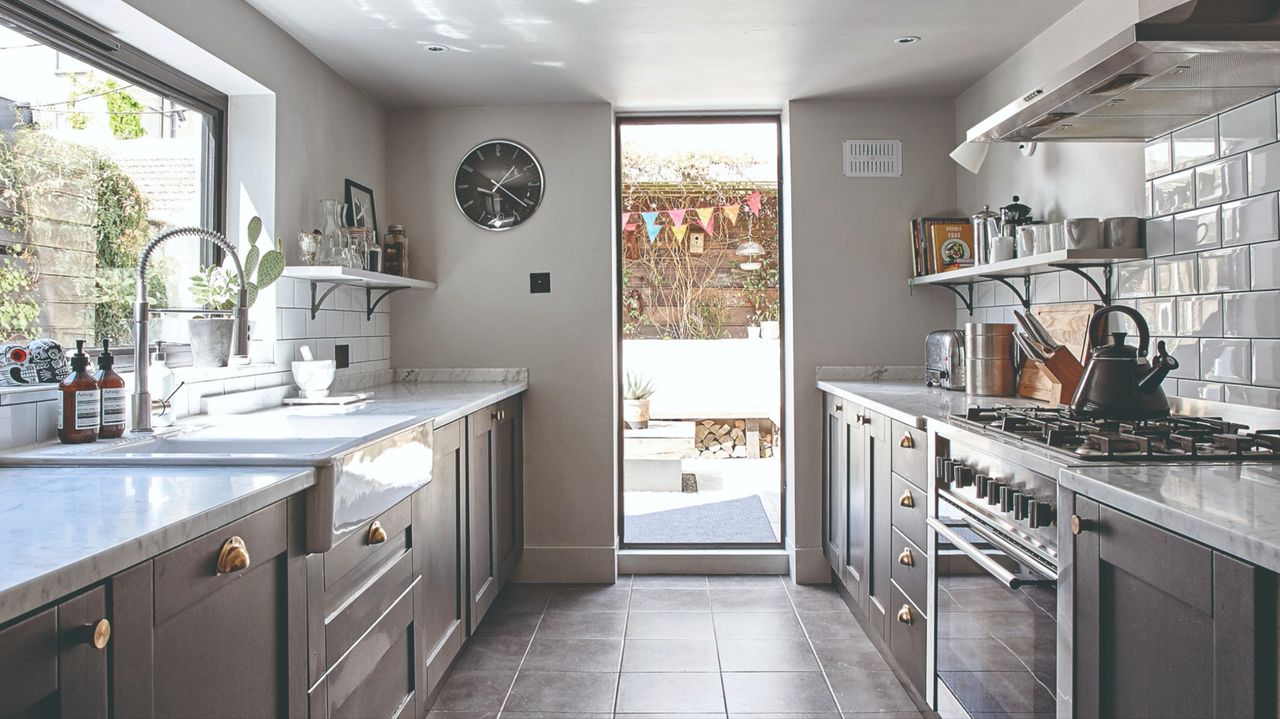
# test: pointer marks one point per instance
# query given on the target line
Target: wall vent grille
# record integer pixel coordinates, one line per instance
(873, 158)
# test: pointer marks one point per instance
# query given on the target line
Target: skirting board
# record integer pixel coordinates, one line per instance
(588, 565)
(703, 561)
(810, 565)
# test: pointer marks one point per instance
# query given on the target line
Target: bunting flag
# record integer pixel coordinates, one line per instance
(707, 216)
(626, 219)
(677, 217)
(651, 225)
(753, 202)
(679, 231)
(629, 227)
(731, 213)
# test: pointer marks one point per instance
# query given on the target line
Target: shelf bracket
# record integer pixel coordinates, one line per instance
(1103, 291)
(966, 297)
(1024, 297)
(371, 304)
(316, 302)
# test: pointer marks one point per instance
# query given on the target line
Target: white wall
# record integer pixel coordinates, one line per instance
(482, 315)
(705, 379)
(847, 257)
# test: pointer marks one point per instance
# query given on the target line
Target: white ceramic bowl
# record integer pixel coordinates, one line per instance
(313, 377)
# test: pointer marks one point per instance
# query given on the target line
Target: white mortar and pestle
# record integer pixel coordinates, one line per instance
(312, 376)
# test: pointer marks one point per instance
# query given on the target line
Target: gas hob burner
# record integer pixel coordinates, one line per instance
(1168, 439)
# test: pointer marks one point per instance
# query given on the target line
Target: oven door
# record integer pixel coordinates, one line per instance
(996, 622)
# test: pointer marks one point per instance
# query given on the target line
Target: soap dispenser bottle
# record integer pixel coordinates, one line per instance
(112, 395)
(80, 410)
(160, 385)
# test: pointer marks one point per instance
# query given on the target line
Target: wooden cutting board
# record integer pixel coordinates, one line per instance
(1069, 325)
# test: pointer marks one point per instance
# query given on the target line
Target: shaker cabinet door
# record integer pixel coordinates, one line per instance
(834, 482)
(482, 567)
(1164, 626)
(508, 487)
(438, 507)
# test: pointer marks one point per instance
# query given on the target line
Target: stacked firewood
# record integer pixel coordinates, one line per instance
(723, 439)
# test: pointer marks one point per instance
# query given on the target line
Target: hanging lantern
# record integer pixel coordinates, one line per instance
(749, 252)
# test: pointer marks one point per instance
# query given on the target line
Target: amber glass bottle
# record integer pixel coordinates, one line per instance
(112, 395)
(80, 410)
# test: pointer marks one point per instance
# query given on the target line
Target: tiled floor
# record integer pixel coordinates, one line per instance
(672, 648)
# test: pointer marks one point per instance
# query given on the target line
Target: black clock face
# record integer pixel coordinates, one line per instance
(498, 185)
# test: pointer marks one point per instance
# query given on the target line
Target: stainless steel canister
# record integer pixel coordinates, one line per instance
(989, 361)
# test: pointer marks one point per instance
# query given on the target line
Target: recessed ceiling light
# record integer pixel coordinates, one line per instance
(907, 39)
(436, 48)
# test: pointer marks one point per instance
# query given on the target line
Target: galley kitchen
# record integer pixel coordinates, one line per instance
(504, 359)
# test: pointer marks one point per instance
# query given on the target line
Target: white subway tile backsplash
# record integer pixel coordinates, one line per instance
(1264, 266)
(1264, 169)
(1194, 144)
(1044, 288)
(1158, 157)
(1251, 314)
(1176, 275)
(1159, 313)
(1225, 360)
(1135, 279)
(984, 294)
(1196, 230)
(1252, 220)
(1247, 126)
(1221, 181)
(301, 292)
(1159, 234)
(1187, 352)
(1224, 270)
(1266, 363)
(1253, 396)
(1200, 390)
(1200, 316)
(1173, 193)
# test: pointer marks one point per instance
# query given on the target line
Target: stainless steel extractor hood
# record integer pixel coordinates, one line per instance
(1166, 72)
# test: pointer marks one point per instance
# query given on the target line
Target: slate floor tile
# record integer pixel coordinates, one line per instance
(670, 625)
(583, 625)
(556, 654)
(562, 692)
(757, 625)
(783, 692)
(684, 692)
(767, 655)
(863, 691)
(670, 655)
(644, 599)
(669, 581)
(472, 691)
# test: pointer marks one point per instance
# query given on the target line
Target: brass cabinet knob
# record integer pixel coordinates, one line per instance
(97, 634)
(906, 442)
(498, 415)
(234, 556)
(377, 535)
(907, 559)
(907, 500)
(839, 408)
(904, 614)
(1077, 525)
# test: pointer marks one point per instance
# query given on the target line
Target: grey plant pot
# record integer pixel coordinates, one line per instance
(211, 341)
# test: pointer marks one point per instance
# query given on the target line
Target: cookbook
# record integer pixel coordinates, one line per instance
(941, 244)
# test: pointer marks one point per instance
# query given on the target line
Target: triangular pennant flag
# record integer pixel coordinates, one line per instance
(731, 212)
(677, 217)
(679, 231)
(629, 227)
(753, 202)
(651, 225)
(626, 218)
(707, 216)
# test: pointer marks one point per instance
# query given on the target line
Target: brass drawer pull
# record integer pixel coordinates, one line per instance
(377, 535)
(234, 556)
(904, 614)
(907, 500)
(98, 634)
(907, 442)
(498, 415)
(839, 408)
(1077, 525)
(907, 559)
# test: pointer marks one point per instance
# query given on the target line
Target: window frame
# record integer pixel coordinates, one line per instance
(69, 33)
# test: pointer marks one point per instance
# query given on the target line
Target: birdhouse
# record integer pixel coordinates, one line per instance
(697, 240)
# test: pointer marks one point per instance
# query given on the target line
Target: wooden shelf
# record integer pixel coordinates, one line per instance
(336, 277)
(1024, 268)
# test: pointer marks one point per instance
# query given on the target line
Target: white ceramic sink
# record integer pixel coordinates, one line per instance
(225, 447)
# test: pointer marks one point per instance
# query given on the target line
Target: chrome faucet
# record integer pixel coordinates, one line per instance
(142, 312)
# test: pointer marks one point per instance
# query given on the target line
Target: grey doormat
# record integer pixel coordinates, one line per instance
(736, 521)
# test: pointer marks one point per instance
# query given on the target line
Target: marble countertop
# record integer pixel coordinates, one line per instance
(911, 401)
(1232, 507)
(65, 528)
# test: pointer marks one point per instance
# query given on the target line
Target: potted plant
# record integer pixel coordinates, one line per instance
(215, 288)
(770, 329)
(635, 401)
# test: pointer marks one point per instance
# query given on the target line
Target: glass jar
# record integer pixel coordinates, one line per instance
(332, 249)
(395, 246)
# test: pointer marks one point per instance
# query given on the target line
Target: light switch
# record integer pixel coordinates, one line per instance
(539, 282)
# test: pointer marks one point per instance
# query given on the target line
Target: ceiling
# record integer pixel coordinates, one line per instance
(660, 54)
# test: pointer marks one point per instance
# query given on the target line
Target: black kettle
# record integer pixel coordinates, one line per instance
(1118, 382)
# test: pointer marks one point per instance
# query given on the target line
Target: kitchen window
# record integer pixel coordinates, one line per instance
(101, 148)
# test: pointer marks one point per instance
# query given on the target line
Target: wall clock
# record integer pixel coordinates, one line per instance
(498, 185)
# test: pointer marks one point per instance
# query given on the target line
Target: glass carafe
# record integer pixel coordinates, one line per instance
(332, 240)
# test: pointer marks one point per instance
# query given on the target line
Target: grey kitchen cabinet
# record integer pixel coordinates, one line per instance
(835, 482)
(877, 481)
(494, 499)
(1165, 626)
(857, 529)
(55, 662)
(438, 508)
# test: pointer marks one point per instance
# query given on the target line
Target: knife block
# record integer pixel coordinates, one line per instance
(1069, 325)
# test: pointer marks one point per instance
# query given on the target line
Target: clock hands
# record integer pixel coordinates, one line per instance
(497, 185)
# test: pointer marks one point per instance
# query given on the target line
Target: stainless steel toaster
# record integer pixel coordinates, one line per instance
(944, 359)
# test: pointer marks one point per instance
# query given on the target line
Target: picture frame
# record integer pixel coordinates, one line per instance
(360, 207)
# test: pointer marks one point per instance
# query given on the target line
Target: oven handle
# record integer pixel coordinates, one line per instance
(991, 566)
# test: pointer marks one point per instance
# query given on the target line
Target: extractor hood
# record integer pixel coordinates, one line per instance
(1166, 72)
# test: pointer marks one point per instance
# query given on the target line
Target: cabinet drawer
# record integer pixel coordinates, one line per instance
(189, 573)
(353, 617)
(29, 661)
(377, 679)
(908, 639)
(909, 568)
(361, 545)
(910, 452)
(909, 519)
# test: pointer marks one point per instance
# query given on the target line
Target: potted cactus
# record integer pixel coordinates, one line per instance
(215, 288)
(635, 401)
